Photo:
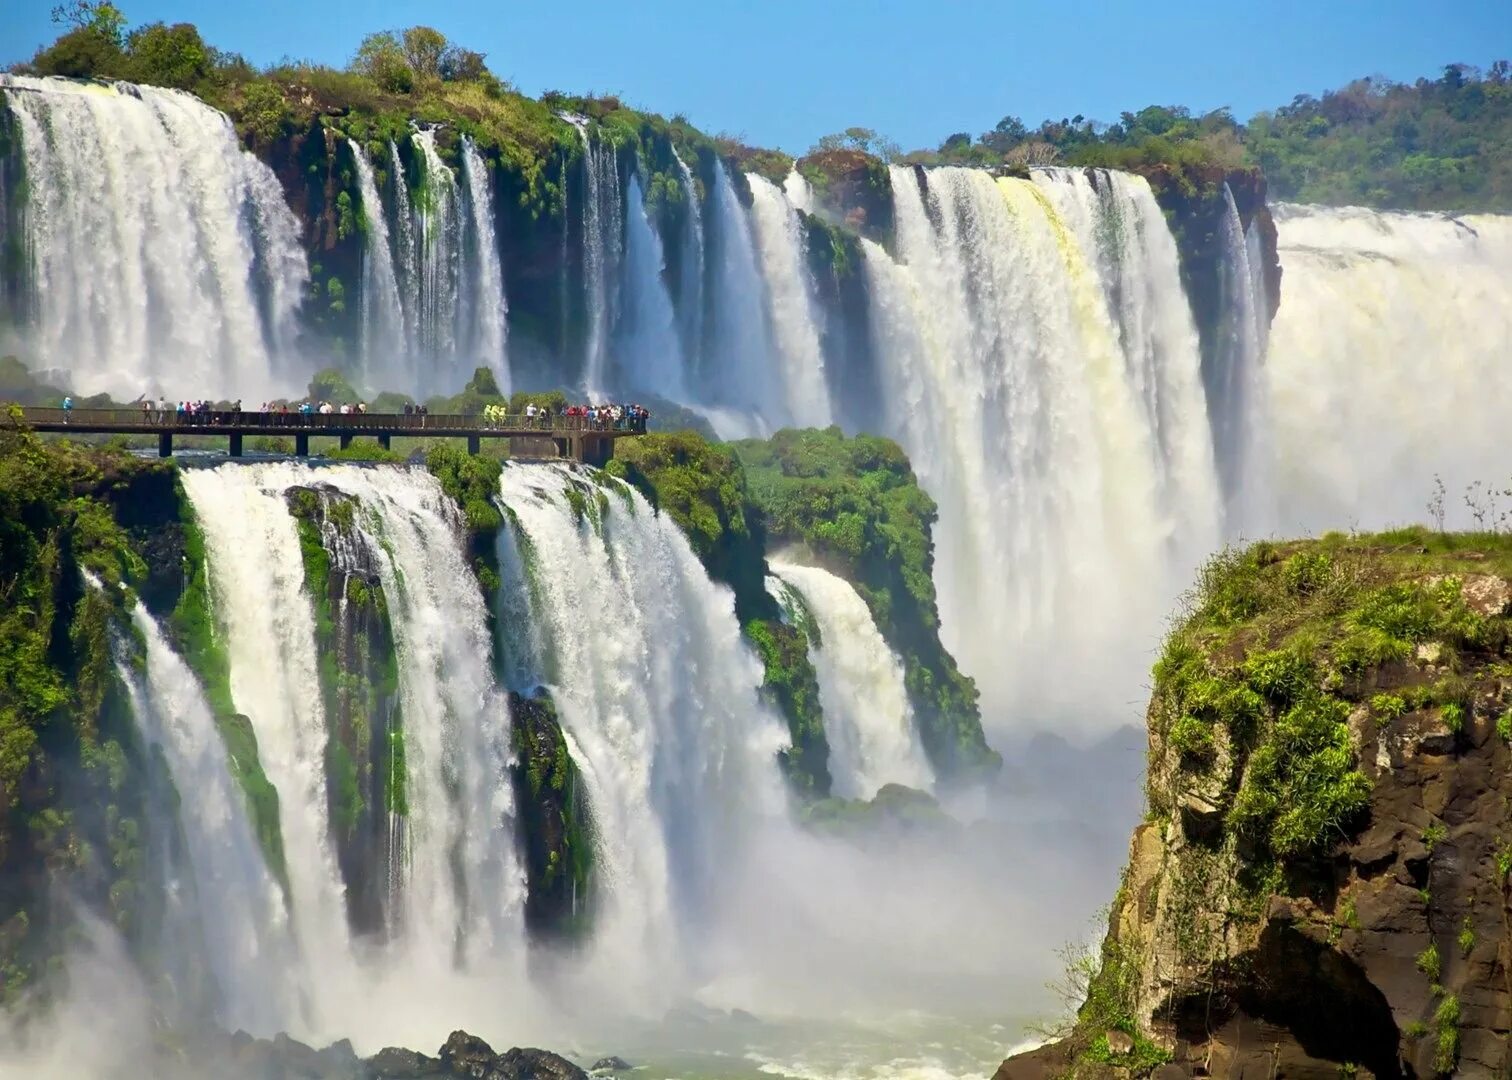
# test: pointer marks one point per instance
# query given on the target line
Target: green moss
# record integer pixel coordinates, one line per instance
(1446, 1048)
(557, 826)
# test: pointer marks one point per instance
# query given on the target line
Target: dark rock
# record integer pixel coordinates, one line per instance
(611, 1064)
(397, 1063)
(467, 1055)
(532, 1064)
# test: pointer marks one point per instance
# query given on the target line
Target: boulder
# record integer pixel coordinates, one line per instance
(611, 1064)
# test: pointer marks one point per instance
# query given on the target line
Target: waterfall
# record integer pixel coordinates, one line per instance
(257, 576)
(780, 242)
(1004, 378)
(485, 278)
(385, 342)
(1387, 364)
(194, 271)
(656, 692)
(798, 191)
(406, 245)
(439, 240)
(603, 229)
(650, 353)
(463, 883)
(867, 718)
(1236, 390)
(690, 292)
(1120, 227)
(238, 906)
(738, 374)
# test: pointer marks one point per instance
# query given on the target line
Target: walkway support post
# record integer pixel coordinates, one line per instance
(346, 442)
(301, 445)
(165, 444)
(384, 440)
(474, 444)
(236, 444)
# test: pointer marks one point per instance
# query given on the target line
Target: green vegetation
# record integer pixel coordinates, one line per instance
(1466, 939)
(855, 506)
(1428, 963)
(1447, 1044)
(73, 773)
(1434, 144)
(556, 818)
(1278, 647)
(893, 807)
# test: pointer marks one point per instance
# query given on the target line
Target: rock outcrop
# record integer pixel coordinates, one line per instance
(1320, 887)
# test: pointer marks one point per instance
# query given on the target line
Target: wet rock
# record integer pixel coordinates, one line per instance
(397, 1063)
(611, 1064)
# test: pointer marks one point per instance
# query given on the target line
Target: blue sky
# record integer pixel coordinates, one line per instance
(783, 72)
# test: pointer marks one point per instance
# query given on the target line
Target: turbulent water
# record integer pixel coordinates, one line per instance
(168, 287)
(385, 336)
(657, 695)
(867, 718)
(487, 308)
(1066, 484)
(1387, 364)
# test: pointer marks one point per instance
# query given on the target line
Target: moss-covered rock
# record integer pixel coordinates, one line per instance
(359, 682)
(855, 506)
(556, 825)
(1327, 820)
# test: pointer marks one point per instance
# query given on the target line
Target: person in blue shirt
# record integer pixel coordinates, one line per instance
(67, 408)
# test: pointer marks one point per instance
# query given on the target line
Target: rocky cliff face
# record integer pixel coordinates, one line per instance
(1320, 887)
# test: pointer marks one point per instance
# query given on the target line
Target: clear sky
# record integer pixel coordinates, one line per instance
(783, 72)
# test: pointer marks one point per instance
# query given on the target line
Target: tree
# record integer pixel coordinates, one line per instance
(97, 16)
(1007, 133)
(381, 58)
(423, 50)
(169, 56)
(462, 65)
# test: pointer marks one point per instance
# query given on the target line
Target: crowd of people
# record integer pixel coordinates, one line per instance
(586, 417)
(622, 417)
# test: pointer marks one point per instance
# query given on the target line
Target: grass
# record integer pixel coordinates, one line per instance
(1428, 962)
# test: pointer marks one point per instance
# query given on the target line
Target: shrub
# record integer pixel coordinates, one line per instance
(1428, 962)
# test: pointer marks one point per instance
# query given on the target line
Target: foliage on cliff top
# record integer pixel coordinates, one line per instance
(1283, 643)
(855, 505)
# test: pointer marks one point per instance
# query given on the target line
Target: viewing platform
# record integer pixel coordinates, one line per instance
(575, 438)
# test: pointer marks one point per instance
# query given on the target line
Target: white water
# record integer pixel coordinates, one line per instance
(1236, 389)
(257, 579)
(194, 269)
(489, 308)
(647, 342)
(603, 229)
(406, 245)
(439, 241)
(385, 341)
(236, 904)
(1121, 230)
(656, 692)
(1387, 364)
(779, 241)
(738, 374)
(799, 192)
(1003, 377)
(868, 721)
(690, 292)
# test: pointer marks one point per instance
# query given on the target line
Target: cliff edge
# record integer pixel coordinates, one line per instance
(1320, 885)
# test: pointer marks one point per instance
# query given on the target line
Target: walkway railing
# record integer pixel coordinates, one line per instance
(222, 421)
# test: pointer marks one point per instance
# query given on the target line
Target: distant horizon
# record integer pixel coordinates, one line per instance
(782, 76)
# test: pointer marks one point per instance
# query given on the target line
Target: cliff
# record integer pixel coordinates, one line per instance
(1320, 885)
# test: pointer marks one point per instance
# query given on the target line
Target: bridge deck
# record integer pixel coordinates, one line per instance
(571, 437)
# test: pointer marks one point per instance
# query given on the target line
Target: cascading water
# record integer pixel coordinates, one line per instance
(1121, 230)
(738, 378)
(1235, 386)
(488, 306)
(690, 292)
(1003, 377)
(385, 339)
(656, 692)
(1387, 364)
(192, 280)
(257, 576)
(439, 240)
(646, 340)
(867, 718)
(779, 241)
(408, 260)
(238, 906)
(798, 191)
(603, 230)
